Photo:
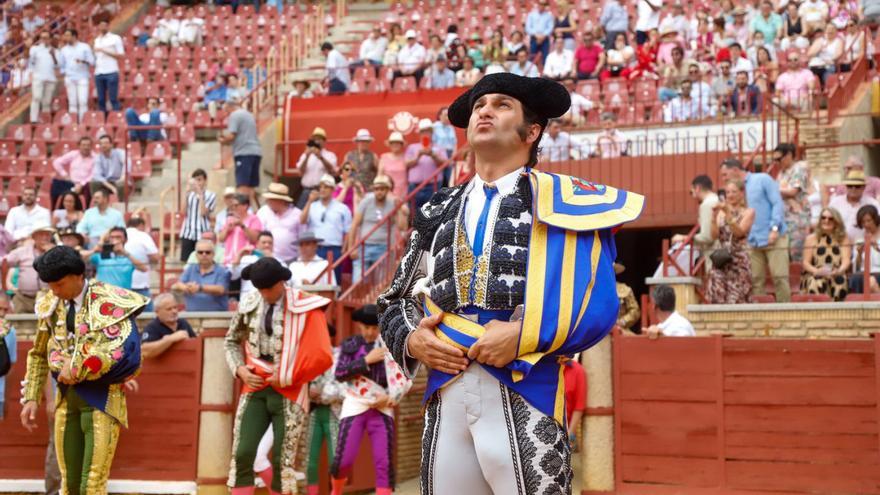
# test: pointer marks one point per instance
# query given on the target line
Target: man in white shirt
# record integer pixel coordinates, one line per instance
(648, 18)
(338, 77)
(43, 63)
(580, 105)
(372, 50)
(108, 49)
(740, 63)
(555, 144)
(314, 162)
(308, 266)
(76, 62)
(20, 220)
(685, 107)
(411, 58)
(191, 29)
(560, 62)
(141, 246)
(671, 323)
(166, 30)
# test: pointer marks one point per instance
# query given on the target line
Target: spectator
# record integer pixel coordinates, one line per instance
(724, 83)
(852, 202)
(200, 203)
(768, 237)
(468, 75)
(108, 49)
(204, 285)
(301, 89)
(559, 64)
(314, 163)
(870, 11)
(672, 324)
(234, 90)
(372, 50)
(215, 95)
(166, 329)
(70, 212)
(515, 44)
(868, 219)
(30, 21)
(730, 280)
(229, 204)
(282, 218)
(610, 143)
(445, 138)
(589, 57)
(464, 167)
(745, 99)
(329, 219)
(411, 59)
(523, 66)
(308, 265)
(648, 19)
(75, 62)
(142, 247)
(619, 58)
(8, 340)
(496, 50)
(374, 207)
(422, 160)
(247, 152)
(495, 66)
(349, 191)
(22, 258)
(393, 165)
(539, 28)
(673, 75)
(365, 161)
(109, 171)
(241, 230)
(767, 22)
(476, 52)
(192, 29)
(872, 184)
(757, 45)
(629, 313)
(792, 29)
(575, 379)
(152, 118)
(439, 75)
(338, 78)
(20, 77)
(74, 171)
(704, 240)
(614, 21)
(827, 257)
(252, 74)
(794, 87)
(22, 219)
(853, 45)
(739, 62)
(580, 105)
(70, 238)
(43, 64)
(222, 65)
(564, 25)
(685, 107)
(167, 29)
(263, 248)
(700, 90)
(794, 186)
(456, 56)
(113, 264)
(219, 249)
(813, 13)
(555, 144)
(825, 52)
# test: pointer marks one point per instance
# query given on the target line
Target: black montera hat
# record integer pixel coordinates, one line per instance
(547, 98)
(265, 273)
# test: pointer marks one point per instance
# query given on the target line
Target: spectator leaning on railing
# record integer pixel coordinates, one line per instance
(702, 191)
(204, 285)
(166, 329)
(670, 322)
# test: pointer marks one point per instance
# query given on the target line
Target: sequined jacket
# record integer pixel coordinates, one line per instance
(629, 313)
(104, 349)
(439, 241)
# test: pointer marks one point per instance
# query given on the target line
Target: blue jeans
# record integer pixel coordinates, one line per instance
(336, 87)
(543, 47)
(337, 253)
(133, 120)
(107, 86)
(372, 253)
(146, 293)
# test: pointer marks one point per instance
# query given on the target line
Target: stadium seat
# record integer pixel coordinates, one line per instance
(7, 149)
(61, 147)
(34, 150)
(19, 132)
(158, 151)
(72, 132)
(141, 168)
(65, 119)
(41, 168)
(17, 185)
(93, 119)
(12, 167)
(46, 133)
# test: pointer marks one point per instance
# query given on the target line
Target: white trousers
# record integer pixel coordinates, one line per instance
(41, 96)
(77, 96)
(482, 438)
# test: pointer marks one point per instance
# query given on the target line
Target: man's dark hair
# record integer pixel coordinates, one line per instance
(732, 163)
(453, 28)
(265, 233)
(84, 138)
(734, 44)
(703, 181)
(664, 298)
(678, 49)
(867, 211)
(522, 50)
(199, 173)
(108, 137)
(326, 46)
(59, 262)
(135, 222)
(785, 149)
(72, 32)
(529, 118)
(242, 199)
(120, 229)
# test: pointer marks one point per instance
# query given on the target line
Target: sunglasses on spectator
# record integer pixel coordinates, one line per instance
(203, 252)
(825, 217)
(346, 169)
(854, 187)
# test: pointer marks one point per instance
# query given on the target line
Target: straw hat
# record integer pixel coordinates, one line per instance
(425, 125)
(276, 190)
(382, 180)
(396, 137)
(327, 180)
(319, 131)
(308, 236)
(229, 191)
(363, 135)
(854, 177)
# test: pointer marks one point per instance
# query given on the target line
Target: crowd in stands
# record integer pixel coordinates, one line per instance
(670, 61)
(790, 227)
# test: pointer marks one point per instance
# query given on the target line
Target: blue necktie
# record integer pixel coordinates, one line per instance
(490, 192)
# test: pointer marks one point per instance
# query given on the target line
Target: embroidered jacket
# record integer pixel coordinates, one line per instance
(551, 249)
(104, 350)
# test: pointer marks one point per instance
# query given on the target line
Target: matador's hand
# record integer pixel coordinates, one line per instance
(424, 345)
(497, 347)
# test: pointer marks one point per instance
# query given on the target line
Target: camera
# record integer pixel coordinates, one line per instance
(106, 250)
(311, 143)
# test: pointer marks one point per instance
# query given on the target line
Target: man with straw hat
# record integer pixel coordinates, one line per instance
(365, 161)
(281, 217)
(848, 205)
(491, 269)
(314, 163)
(375, 206)
(23, 258)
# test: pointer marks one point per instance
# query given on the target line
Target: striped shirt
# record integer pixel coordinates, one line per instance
(194, 224)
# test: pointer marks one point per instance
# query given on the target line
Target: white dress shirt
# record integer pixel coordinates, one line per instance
(71, 61)
(20, 221)
(559, 64)
(411, 58)
(373, 49)
(476, 198)
(337, 67)
(677, 326)
(190, 29)
(309, 270)
(105, 64)
(43, 60)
